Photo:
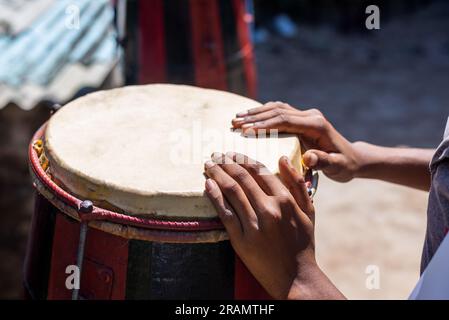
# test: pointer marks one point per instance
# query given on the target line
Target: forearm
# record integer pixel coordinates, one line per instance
(316, 286)
(404, 166)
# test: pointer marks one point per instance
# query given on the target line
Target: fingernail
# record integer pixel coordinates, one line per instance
(209, 164)
(247, 125)
(209, 185)
(216, 155)
(238, 119)
(218, 158)
(241, 114)
(285, 159)
(230, 154)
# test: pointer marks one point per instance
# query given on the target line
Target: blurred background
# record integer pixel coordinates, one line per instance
(386, 86)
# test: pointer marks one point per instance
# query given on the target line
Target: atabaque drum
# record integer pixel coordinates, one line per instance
(120, 207)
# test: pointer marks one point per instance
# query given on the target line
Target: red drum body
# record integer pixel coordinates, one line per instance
(123, 257)
(206, 43)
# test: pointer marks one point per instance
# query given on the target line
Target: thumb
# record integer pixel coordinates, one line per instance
(295, 183)
(318, 160)
(333, 165)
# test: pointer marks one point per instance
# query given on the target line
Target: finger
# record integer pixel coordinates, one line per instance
(317, 159)
(259, 120)
(269, 183)
(266, 126)
(267, 106)
(270, 110)
(233, 194)
(225, 212)
(253, 191)
(272, 113)
(263, 108)
(295, 183)
(246, 116)
(239, 122)
(287, 123)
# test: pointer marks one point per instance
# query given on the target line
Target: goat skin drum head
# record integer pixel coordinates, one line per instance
(141, 150)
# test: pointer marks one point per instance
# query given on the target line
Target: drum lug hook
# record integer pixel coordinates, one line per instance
(53, 106)
(85, 207)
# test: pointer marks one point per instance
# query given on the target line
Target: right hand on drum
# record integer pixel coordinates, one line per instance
(327, 150)
(270, 224)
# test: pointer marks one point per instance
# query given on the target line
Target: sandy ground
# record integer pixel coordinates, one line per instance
(387, 87)
(370, 223)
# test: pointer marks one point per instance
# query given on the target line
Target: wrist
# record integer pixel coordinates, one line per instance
(313, 284)
(364, 158)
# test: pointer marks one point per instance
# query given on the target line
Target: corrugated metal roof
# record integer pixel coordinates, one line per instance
(17, 15)
(55, 56)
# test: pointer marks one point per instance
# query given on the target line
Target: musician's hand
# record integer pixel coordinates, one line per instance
(270, 225)
(328, 150)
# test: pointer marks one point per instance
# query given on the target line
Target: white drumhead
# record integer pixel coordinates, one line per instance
(141, 149)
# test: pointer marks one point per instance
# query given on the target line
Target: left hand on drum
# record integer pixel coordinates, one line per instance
(270, 224)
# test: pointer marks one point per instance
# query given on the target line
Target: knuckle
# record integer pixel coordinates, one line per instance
(283, 117)
(271, 104)
(300, 179)
(265, 211)
(250, 118)
(286, 106)
(271, 212)
(254, 168)
(276, 104)
(286, 202)
(275, 216)
(253, 227)
(241, 175)
(215, 196)
(320, 122)
(231, 187)
(226, 214)
(317, 112)
(284, 199)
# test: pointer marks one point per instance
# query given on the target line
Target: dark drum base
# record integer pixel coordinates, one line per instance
(119, 268)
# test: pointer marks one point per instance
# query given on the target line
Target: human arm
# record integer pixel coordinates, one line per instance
(329, 151)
